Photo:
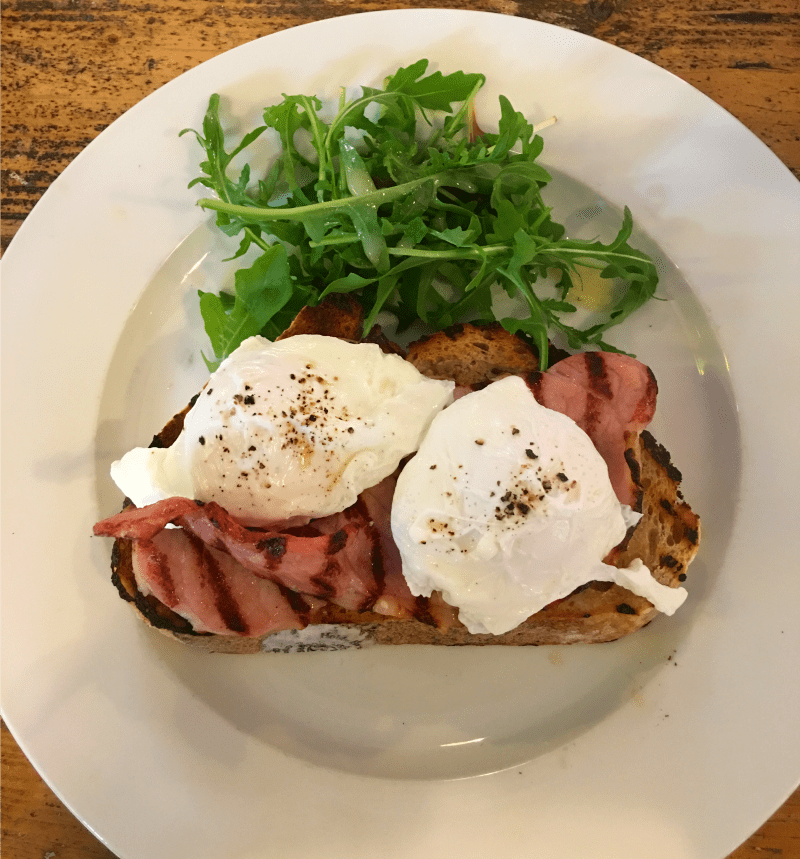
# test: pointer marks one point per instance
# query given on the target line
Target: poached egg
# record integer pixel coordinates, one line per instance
(288, 431)
(508, 506)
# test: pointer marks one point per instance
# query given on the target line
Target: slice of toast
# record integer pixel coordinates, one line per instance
(665, 540)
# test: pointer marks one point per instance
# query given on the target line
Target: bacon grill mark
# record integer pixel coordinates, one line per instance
(591, 418)
(596, 372)
(158, 566)
(298, 605)
(337, 542)
(422, 611)
(224, 600)
(646, 406)
(378, 565)
(378, 560)
(323, 582)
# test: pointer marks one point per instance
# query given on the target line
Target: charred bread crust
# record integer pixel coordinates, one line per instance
(666, 539)
(672, 537)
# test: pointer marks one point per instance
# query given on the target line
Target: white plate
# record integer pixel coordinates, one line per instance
(677, 742)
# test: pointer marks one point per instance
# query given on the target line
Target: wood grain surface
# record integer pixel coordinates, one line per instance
(71, 67)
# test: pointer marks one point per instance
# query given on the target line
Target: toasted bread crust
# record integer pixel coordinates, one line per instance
(338, 316)
(472, 355)
(666, 539)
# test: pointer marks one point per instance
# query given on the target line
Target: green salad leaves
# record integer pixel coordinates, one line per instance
(401, 200)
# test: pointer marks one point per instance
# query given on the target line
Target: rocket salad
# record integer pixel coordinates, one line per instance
(401, 200)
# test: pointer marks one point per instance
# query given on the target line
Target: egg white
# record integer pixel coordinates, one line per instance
(289, 431)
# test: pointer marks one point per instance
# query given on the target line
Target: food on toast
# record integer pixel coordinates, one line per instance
(213, 581)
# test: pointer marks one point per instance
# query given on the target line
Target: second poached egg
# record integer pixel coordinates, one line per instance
(506, 507)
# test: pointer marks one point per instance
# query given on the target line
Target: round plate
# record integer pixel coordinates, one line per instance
(682, 737)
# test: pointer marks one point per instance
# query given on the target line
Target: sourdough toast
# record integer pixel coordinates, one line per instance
(665, 540)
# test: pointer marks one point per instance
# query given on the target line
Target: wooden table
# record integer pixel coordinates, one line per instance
(70, 67)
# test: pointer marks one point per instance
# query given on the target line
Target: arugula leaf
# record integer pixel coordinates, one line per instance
(400, 202)
(260, 292)
(436, 91)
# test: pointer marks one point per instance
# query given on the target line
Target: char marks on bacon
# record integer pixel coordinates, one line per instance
(395, 599)
(349, 559)
(210, 589)
(612, 398)
(326, 565)
(372, 513)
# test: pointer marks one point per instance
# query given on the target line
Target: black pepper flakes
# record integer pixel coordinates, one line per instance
(202, 439)
(530, 454)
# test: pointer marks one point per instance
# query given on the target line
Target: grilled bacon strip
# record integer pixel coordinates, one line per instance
(213, 571)
(331, 566)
